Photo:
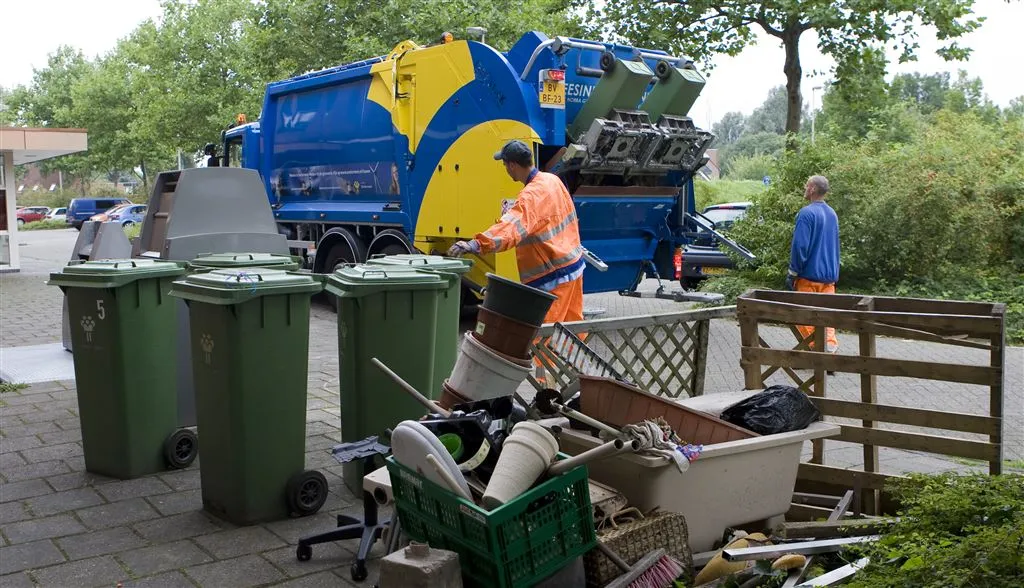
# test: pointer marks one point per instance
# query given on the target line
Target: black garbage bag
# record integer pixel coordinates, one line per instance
(778, 409)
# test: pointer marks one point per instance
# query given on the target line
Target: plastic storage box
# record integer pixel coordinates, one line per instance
(517, 544)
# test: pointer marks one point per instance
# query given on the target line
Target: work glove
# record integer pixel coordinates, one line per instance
(791, 281)
(461, 248)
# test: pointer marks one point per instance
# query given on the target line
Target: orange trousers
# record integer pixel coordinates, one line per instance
(802, 285)
(568, 308)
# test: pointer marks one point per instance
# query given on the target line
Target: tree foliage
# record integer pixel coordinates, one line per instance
(703, 28)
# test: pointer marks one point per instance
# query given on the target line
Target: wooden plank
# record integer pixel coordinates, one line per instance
(818, 445)
(749, 339)
(842, 477)
(836, 301)
(869, 395)
(915, 417)
(806, 512)
(976, 326)
(997, 359)
(629, 322)
(918, 335)
(919, 442)
(880, 366)
(827, 501)
(701, 357)
(928, 305)
(833, 529)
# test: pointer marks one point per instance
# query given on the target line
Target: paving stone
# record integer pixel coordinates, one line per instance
(168, 580)
(42, 528)
(17, 399)
(63, 394)
(103, 542)
(98, 571)
(52, 452)
(326, 556)
(38, 416)
(185, 480)
(76, 463)
(12, 512)
(116, 514)
(249, 570)
(36, 470)
(22, 490)
(161, 558)
(228, 544)
(69, 423)
(8, 445)
(21, 410)
(136, 488)
(74, 480)
(11, 460)
(61, 436)
(291, 530)
(64, 501)
(177, 502)
(24, 556)
(320, 580)
(183, 526)
(18, 580)
(26, 430)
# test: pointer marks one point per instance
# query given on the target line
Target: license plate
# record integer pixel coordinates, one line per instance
(713, 270)
(552, 94)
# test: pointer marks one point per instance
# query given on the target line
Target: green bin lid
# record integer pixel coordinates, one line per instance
(361, 280)
(113, 273)
(234, 286)
(236, 260)
(423, 262)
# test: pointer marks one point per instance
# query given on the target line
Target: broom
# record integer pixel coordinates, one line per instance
(654, 570)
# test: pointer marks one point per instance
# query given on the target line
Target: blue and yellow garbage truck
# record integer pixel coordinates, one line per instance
(393, 154)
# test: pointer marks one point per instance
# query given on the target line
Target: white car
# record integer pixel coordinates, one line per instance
(58, 214)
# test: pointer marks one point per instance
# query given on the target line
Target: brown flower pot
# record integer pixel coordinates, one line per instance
(503, 334)
(450, 398)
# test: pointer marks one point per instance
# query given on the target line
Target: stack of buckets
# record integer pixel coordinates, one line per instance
(494, 358)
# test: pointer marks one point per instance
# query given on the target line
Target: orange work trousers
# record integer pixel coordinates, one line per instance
(803, 285)
(567, 308)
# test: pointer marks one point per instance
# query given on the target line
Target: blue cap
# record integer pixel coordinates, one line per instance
(516, 152)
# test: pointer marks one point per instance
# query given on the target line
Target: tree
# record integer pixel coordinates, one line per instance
(729, 128)
(702, 28)
(770, 117)
(927, 91)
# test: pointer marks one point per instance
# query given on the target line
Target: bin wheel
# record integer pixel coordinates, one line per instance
(303, 552)
(359, 572)
(307, 492)
(181, 449)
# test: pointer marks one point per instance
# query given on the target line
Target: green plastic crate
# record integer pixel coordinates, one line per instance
(518, 544)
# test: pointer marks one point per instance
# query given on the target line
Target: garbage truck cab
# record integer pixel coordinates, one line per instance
(394, 154)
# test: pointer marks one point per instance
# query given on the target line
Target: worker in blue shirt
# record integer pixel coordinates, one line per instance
(814, 256)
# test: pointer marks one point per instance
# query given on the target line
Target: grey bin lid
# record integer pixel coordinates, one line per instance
(362, 280)
(235, 286)
(113, 273)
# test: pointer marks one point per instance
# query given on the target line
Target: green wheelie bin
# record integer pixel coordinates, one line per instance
(212, 261)
(389, 313)
(449, 305)
(123, 334)
(249, 330)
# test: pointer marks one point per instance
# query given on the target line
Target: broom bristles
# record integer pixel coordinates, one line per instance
(661, 575)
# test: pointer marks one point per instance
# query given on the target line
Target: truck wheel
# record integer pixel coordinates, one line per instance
(690, 283)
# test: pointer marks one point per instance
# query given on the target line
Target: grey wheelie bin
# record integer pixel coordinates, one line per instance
(389, 313)
(123, 330)
(449, 305)
(250, 340)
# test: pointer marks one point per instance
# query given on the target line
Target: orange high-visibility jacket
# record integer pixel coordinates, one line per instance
(542, 226)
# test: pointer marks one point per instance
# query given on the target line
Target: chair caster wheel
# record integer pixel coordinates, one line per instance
(303, 552)
(359, 572)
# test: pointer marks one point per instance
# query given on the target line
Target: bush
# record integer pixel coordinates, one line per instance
(721, 191)
(751, 167)
(953, 531)
(44, 225)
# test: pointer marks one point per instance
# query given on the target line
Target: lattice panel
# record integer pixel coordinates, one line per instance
(664, 359)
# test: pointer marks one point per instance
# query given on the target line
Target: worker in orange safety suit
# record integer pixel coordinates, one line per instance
(542, 227)
(814, 253)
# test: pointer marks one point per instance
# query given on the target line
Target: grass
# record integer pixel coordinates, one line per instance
(11, 386)
(721, 191)
(43, 225)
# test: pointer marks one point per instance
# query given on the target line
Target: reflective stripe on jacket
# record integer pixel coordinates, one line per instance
(542, 226)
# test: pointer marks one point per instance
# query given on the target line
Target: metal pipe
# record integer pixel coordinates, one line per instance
(802, 548)
(586, 420)
(589, 72)
(600, 452)
(430, 406)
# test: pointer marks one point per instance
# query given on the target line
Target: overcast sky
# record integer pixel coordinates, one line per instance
(737, 83)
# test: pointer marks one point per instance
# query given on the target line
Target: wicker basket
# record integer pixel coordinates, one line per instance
(635, 539)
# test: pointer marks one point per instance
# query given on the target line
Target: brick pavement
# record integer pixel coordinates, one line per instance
(62, 526)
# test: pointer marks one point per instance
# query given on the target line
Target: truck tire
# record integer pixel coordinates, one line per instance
(347, 248)
(390, 242)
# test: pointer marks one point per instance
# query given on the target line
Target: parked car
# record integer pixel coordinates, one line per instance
(126, 214)
(81, 209)
(703, 259)
(58, 214)
(31, 214)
